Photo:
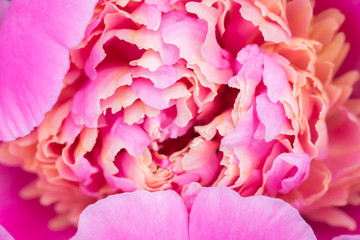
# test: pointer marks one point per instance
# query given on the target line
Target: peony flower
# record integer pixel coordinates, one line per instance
(180, 96)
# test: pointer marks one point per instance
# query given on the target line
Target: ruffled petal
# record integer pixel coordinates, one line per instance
(352, 19)
(35, 39)
(86, 107)
(220, 213)
(138, 215)
(288, 171)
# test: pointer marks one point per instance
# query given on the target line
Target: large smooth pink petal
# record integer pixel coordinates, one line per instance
(220, 213)
(35, 39)
(138, 215)
(24, 219)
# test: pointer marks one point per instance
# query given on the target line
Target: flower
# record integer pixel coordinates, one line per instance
(167, 94)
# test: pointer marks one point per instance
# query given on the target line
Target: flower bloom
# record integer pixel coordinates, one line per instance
(164, 94)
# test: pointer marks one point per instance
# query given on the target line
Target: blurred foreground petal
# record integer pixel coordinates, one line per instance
(35, 39)
(4, 235)
(24, 219)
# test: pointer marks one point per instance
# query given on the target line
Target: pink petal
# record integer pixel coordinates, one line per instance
(150, 60)
(220, 213)
(179, 31)
(132, 137)
(344, 139)
(273, 27)
(162, 77)
(210, 50)
(146, 39)
(158, 98)
(347, 237)
(149, 15)
(73, 165)
(35, 39)
(24, 219)
(275, 80)
(4, 235)
(201, 160)
(4, 5)
(190, 193)
(86, 105)
(287, 172)
(162, 5)
(249, 76)
(138, 215)
(272, 115)
(243, 133)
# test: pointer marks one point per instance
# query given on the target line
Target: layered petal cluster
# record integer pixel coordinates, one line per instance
(125, 118)
(183, 95)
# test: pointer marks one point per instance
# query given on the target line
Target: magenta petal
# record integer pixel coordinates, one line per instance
(35, 39)
(221, 213)
(137, 215)
(24, 219)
